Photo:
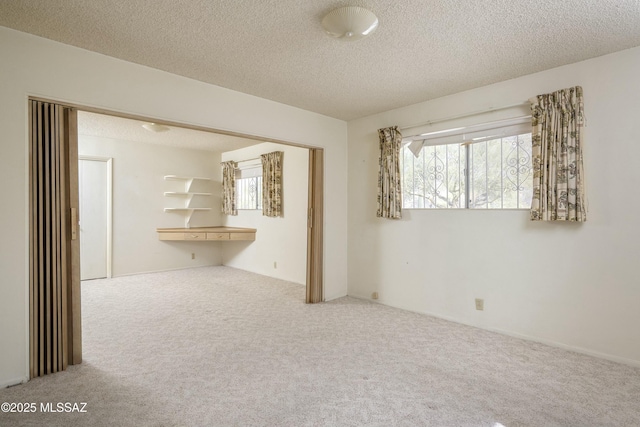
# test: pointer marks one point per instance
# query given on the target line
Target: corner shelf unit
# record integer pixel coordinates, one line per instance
(187, 195)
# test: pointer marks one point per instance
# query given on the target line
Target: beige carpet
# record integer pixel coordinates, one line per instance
(221, 347)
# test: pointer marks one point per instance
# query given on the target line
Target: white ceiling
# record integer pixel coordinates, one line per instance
(276, 49)
(91, 124)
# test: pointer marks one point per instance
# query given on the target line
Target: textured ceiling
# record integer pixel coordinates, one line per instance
(100, 125)
(276, 49)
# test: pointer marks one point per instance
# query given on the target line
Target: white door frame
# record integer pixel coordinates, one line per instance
(109, 164)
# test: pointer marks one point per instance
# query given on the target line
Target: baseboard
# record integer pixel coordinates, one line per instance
(262, 273)
(12, 382)
(209, 265)
(581, 350)
(328, 298)
(551, 343)
(166, 270)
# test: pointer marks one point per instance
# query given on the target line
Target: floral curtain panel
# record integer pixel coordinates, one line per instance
(557, 143)
(272, 183)
(229, 188)
(389, 178)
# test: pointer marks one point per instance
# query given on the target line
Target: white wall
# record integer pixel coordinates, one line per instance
(282, 240)
(572, 285)
(139, 202)
(35, 66)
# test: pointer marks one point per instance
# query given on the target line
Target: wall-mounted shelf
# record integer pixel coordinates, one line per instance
(188, 196)
(184, 193)
(224, 234)
(185, 209)
(184, 178)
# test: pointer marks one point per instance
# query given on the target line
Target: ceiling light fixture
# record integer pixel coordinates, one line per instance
(154, 127)
(350, 23)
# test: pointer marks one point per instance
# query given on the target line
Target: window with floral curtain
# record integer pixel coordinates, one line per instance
(272, 183)
(229, 188)
(389, 178)
(557, 143)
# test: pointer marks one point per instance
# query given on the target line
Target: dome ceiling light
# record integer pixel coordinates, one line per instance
(350, 23)
(154, 127)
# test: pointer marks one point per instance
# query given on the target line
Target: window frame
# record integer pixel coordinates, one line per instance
(464, 138)
(246, 170)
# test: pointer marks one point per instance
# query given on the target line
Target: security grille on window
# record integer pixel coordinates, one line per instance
(249, 185)
(477, 167)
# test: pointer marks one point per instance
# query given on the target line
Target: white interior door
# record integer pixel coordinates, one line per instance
(95, 204)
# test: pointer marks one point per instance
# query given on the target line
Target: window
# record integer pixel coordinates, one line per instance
(491, 169)
(249, 193)
(249, 185)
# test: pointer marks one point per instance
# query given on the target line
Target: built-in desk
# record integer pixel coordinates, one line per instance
(207, 233)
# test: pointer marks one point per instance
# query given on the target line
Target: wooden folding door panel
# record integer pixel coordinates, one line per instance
(54, 276)
(315, 227)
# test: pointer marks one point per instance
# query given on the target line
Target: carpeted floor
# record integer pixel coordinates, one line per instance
(217, 346)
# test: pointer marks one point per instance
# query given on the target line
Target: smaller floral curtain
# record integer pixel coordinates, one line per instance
(272, 183)
(229, 188)
(389, 178)
(557, 143)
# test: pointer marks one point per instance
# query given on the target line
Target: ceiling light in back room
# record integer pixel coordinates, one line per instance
(154, 127)
(350, 23)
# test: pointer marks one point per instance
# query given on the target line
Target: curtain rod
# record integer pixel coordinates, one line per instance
(247, 160)
(460, 116)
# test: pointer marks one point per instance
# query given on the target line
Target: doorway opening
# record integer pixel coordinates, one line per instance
(313, 217)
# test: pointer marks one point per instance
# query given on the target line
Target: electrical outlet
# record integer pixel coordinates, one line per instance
(479, 304)
(275, 264)
(193, 255)
(374, 295)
